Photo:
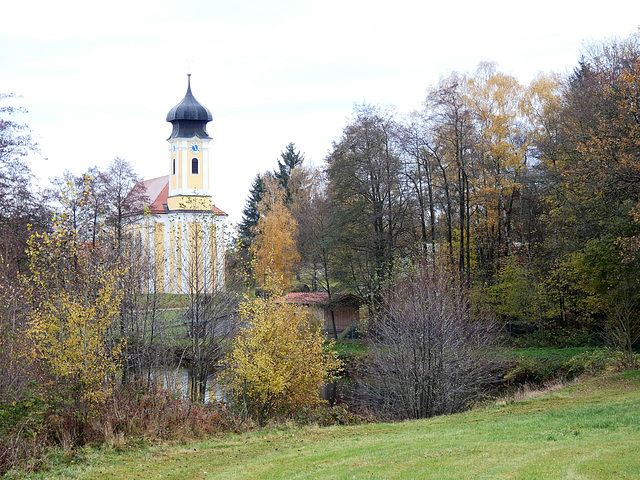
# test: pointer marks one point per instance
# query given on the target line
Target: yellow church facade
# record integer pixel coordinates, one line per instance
(180, 231)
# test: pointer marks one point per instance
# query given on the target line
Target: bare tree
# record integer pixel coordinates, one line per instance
(429, 349)
(210, 319)
(15, 145)
(22, 209)
(124, 194)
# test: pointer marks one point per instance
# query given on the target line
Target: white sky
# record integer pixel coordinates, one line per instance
(98, 78)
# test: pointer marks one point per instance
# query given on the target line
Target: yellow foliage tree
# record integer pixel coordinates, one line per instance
(498, 102)
(279, 361)
(274, 248)
(74, 299)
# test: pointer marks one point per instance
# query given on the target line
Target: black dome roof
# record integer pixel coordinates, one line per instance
(189, 118)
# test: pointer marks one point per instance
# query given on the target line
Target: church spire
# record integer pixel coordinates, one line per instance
(189, 117)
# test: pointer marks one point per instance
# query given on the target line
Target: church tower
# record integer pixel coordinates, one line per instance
(180, 229)
(189, 187)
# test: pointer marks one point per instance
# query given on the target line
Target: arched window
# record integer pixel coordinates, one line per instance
(174, 167)
(194, 166)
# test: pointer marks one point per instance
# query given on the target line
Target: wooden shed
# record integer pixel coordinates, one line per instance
(344, 306)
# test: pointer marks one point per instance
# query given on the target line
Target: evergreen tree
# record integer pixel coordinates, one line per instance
(290, 159)
(250, 214)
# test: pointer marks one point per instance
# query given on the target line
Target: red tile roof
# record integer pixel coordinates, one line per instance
(319, 298)
(305, 297)
(157, 191)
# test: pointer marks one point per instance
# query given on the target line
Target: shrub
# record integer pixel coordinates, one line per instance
(278, 362)
(536, 371)
(429, 348)
(539, 370)
(23, 432)
(598, 361)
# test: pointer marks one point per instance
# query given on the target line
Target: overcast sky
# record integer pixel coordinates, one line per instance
(98, 78)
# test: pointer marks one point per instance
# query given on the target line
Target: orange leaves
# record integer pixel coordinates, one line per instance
(274, 247)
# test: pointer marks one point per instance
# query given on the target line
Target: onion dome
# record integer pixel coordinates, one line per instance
(189, 118)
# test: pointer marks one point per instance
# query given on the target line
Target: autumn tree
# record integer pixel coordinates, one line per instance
(279, 360)
(72, 291)
(502, 148)
(274, 247)
(592, 171)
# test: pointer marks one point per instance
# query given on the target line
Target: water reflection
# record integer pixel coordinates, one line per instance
(179, 382)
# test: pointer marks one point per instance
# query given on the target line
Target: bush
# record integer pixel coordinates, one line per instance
(538, 370)
(278, 362)
(428, 352)
(23, 433)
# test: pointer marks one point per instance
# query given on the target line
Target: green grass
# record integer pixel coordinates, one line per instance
(547, 353)
(349, 348)
(538, 353)
(590, 430)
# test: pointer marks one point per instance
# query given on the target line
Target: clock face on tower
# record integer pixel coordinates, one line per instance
(194, 148)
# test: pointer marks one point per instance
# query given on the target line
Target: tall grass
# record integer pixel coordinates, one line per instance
(31, 428)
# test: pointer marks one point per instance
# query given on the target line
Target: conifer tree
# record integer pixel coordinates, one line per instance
(289, 160)
(250, 214)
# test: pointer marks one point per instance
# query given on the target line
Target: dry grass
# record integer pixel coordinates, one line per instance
(527, 392)
(132, 413)
(154, 414)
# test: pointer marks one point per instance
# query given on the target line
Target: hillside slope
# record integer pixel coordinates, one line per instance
(590, 430)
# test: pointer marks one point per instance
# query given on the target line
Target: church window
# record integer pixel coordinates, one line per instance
(194, 166)
(174, 167)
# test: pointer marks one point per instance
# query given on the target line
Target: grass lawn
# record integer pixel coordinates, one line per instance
(548, 353)
(349, 348)
(589, 430)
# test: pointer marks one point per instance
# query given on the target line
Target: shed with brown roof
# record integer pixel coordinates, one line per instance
(341, 308)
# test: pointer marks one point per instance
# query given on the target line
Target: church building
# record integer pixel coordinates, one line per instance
(180, 229)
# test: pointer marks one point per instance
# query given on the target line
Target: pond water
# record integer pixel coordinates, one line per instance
(178, 381)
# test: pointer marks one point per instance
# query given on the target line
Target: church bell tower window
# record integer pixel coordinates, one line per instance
(173, 167)
(194, 166)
